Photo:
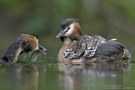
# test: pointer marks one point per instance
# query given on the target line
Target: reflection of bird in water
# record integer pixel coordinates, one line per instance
(84, 48)
(72, 69)
(88, 76)
(23, 76)
(23, 44)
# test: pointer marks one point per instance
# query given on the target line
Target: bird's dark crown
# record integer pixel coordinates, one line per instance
(67, 22)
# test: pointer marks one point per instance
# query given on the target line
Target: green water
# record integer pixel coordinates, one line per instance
(58, 76)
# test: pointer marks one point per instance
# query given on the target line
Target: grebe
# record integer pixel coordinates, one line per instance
(23, 44)
(88, 48)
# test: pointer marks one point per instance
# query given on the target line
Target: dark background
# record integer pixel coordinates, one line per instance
(109, 18)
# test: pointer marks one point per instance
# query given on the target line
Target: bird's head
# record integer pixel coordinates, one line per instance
(31, 43)
(70, 28)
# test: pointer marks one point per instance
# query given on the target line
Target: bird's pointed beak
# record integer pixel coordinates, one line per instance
(60, 34)
(42, 50)
(36, 53)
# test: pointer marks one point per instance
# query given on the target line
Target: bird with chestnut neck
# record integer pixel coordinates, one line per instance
(23, 44)
(84, 48)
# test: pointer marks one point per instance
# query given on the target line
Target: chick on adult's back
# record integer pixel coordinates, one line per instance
(87, 47)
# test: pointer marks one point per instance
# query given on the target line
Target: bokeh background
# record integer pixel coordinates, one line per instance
(109, 18)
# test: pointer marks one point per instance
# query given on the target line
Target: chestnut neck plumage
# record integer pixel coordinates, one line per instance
(76, 32)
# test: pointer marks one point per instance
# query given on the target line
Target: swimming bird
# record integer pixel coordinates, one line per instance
(23, 44)
(84, 48)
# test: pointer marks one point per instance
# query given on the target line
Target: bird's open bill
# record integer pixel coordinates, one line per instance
(36, 53)
(42, 49)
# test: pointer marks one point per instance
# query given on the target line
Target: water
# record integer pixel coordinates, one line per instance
(53, 76)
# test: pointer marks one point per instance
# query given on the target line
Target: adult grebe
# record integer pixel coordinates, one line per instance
(85, 48)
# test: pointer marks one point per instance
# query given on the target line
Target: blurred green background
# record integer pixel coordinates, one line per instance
(109, 18)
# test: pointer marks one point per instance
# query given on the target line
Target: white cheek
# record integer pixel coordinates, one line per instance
(37, 46)
(70, 31)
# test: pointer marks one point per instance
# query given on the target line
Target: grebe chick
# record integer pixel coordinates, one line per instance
(23, 44)
(87, 47)
(88, 44)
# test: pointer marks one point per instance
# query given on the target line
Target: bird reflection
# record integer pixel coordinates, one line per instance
(24, 76)
(91, 75)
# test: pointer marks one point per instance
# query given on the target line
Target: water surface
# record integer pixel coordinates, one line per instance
(59, 76)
